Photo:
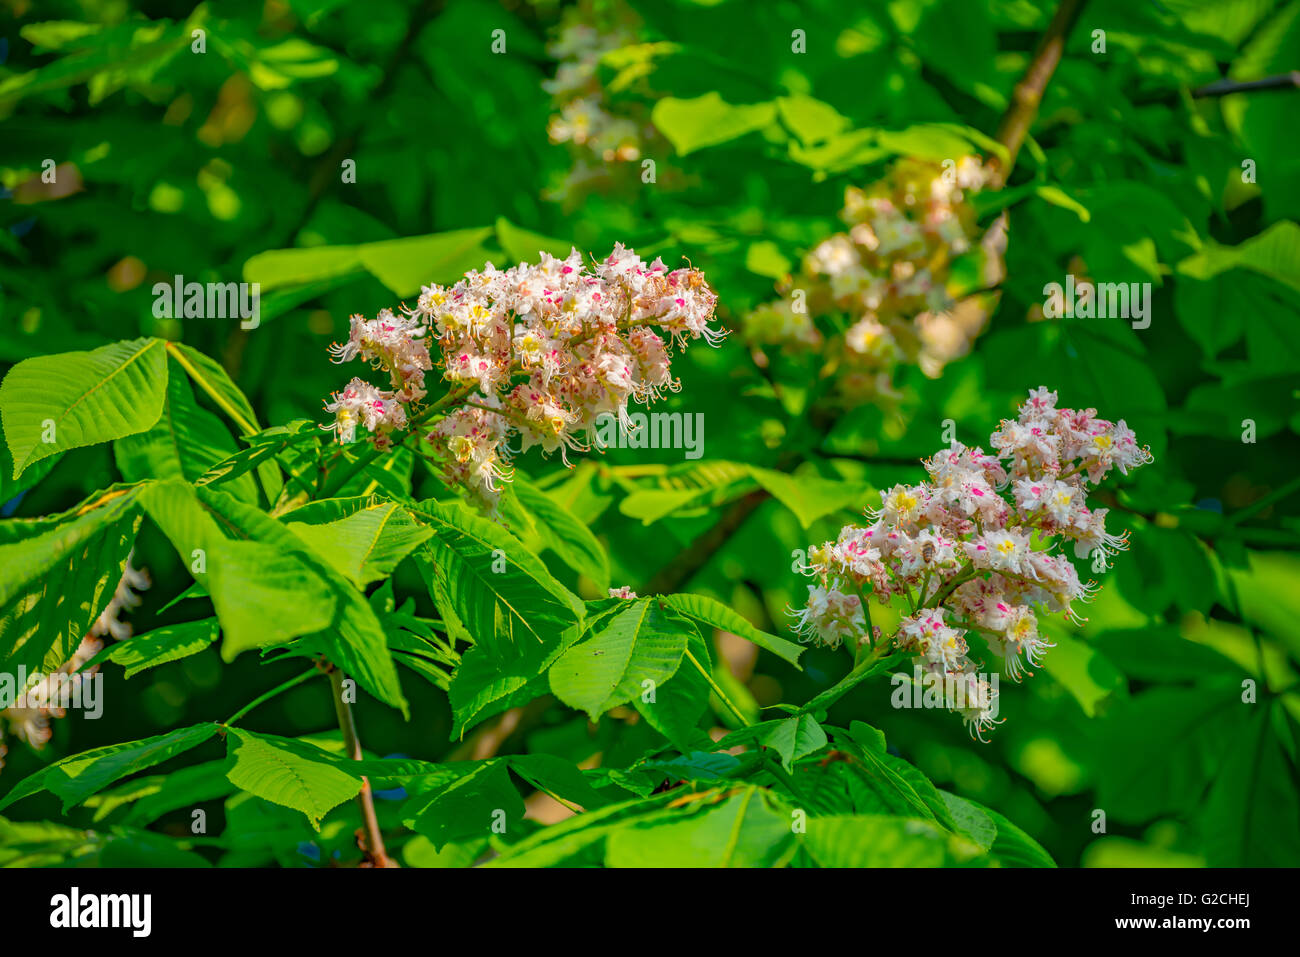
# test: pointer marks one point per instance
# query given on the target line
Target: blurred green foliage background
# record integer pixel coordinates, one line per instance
(205, 164)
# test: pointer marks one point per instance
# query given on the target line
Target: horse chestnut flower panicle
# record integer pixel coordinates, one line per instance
(606, 135)
(534, 352)
(965, 557)
(889, 274)
(29, 718)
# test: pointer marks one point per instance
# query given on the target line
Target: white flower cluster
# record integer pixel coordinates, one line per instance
(32, 723)
(599, 138)
(534, 351)
(392, 343)
(889, 275)
(965, 558)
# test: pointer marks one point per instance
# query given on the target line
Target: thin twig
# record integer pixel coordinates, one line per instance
(373, 839)
(1225, 87)
(1028, 93)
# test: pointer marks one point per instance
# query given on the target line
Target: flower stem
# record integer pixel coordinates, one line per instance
(340, 480)
(292, 682)
(716, 690)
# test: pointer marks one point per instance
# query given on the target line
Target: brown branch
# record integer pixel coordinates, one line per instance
(369, 838)
(1028, 94)
(691, 559)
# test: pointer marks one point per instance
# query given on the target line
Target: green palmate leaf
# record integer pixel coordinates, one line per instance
(192, 529)
(1267, 589)
(523, 246)
(1162, 655)
(259, 833)
(277, 268)
(809, 496)
(634, 651)
(106, 60)
(708, 120)
(1274, 253)
(1083, 671)
(846, 150)
(810, 119)
(1191, 728)
(404, 265)
(927, 141)
(1204, 309)
(696, 766)
(10, 487)
(486, 683)
(265, 595)
(52, 403)
(714, 613)
(558, 778)
(583, 835)
(675, 708)
(493, 677)
(327, 510)
(390, 475)
(261, 766)
(499, 592)
(793, 738)
(183, 444)
(368, 544)
(1252, 816)
(481, 802)
(562, 532)
(420, 852)
(355, 640)
(745, 830)
(874, 840)
(169, 643)
(199, 520)
(144, 800)
(330, 749)
(54, 34)
(211, 379)
(409, 652)
(265, 447)
(652, 504)
(1013, 847)
(861, 671)
(972, 820)
(76, 778)
(56, 583)
(892, 784)
(41, 844)
(990, 201)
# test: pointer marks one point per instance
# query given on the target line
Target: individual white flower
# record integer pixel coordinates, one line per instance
(830, 617)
